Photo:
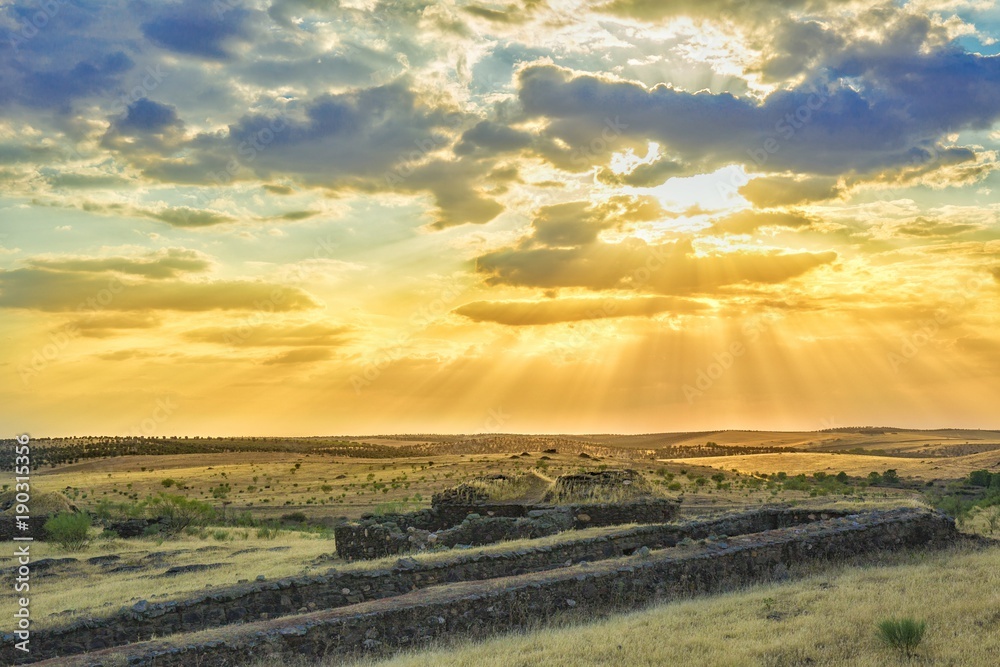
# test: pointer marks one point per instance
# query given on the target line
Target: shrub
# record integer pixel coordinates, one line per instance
(168, 482)
(181, 512)
(903, 635)
(69, 529)
(980, 478)
(295, 517)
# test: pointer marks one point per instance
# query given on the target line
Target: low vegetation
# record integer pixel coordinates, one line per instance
(70, 530)
(903, 635)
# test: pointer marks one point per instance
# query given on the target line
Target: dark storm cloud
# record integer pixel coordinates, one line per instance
(145, 115)
(198, 28)
(827, 130)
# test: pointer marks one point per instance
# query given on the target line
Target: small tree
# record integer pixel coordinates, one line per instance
(180, 512)
(903, 635)
(69, 529)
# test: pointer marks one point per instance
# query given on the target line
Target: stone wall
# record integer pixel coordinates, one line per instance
(478, 524)
(492, 606)
(267, 600)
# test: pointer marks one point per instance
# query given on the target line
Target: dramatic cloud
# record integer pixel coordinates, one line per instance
(58, 291)
(830, 129)
(769, 191)
(671, 268)
(147, 116)
(302, 356)
(204, 29)
(168, 263)
(183, 216)
(321, 335)
(746, 222)
(551, 311)
(106, 325)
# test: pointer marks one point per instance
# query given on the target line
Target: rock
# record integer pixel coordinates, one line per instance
(261, 577)
(571, 603)
(140, 606)
(104, 560)
(194, 567)
(642, 552)
(407, 564)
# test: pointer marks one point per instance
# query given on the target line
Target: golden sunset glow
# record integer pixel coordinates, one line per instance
(545, 217)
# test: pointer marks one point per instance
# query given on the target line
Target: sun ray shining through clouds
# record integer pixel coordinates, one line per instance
(293, 217)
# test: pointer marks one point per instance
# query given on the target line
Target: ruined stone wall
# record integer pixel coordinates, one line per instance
(488, 607)
(479, 524)
(272, 599)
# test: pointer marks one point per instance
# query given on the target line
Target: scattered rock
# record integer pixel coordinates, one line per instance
(194, 567)
(104, 560)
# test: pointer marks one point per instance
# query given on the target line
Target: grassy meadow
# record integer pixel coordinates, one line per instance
(273, 506)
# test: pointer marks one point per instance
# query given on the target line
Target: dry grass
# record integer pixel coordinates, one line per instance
(857, 465)
(828, 618)
(83, 589)
(523, 487)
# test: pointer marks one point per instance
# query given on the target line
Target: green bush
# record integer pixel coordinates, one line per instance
(903, 635)
(980, 478)
(69, 529)
(180, 512)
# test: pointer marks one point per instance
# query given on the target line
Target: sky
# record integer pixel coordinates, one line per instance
(309, 217)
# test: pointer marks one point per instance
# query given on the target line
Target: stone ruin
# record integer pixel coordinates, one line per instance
(409, 604)
(465, 515)
(598, 484)
(412, 603)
